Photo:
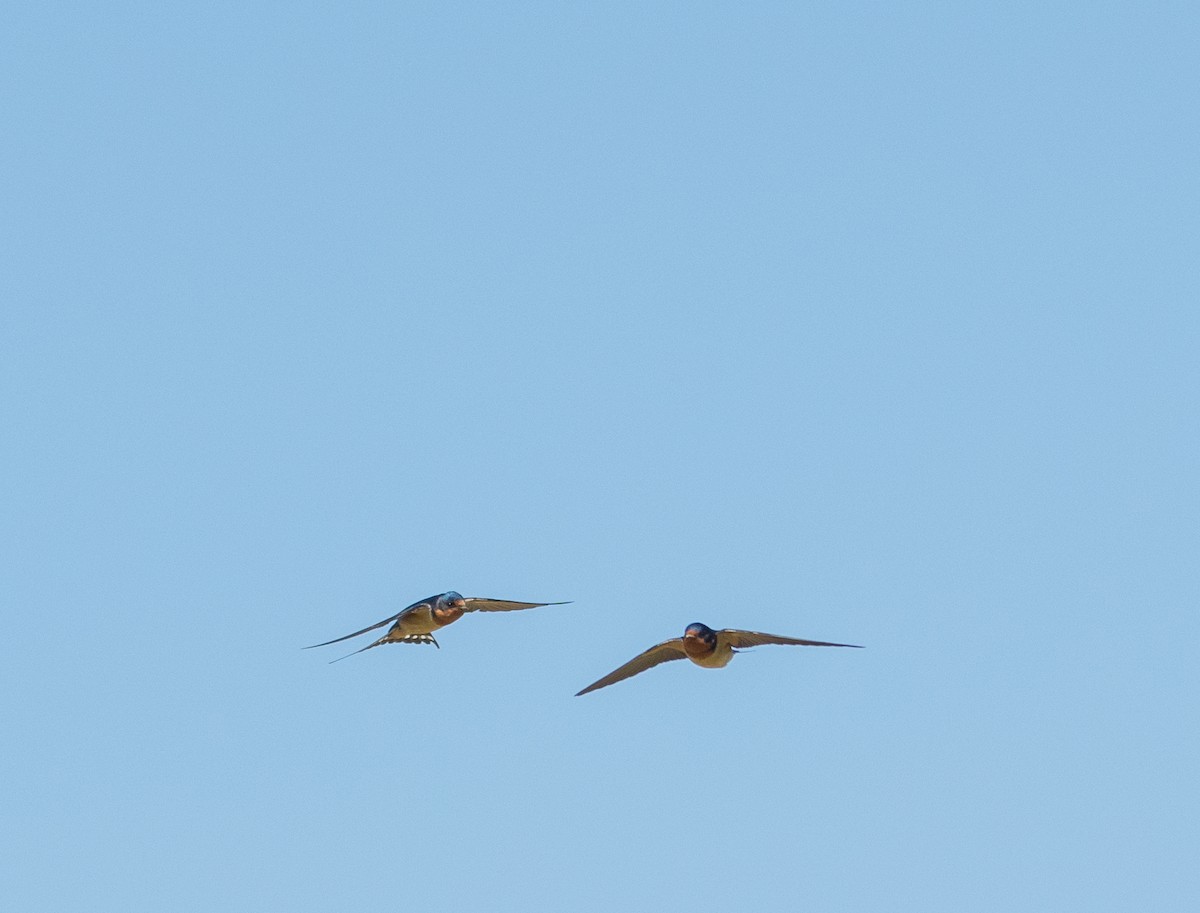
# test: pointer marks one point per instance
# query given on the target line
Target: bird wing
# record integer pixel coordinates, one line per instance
(755, 639)
(484, 604)
(378, 624)
(660, 653)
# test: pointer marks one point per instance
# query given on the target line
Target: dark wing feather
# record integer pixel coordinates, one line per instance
(378, 624)
(484, 604)
(661, 653)
(755, 639)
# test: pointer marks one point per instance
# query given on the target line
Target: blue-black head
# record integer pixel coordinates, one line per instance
(452, 600)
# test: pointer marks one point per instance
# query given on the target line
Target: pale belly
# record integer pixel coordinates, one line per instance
(715, 660)
(416, 622)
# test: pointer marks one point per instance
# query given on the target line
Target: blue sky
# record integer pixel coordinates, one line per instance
(855, 322)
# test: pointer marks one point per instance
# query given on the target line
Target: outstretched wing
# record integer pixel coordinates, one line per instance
(378, 624)
(755, 639)
(484, 604)
(661, 653)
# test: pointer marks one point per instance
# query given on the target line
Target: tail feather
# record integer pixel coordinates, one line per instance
(420, 639)
(407, 639)
(356, 652)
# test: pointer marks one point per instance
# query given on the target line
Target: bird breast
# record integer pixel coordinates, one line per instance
(444, 615)
(696, 648)
(712, 659)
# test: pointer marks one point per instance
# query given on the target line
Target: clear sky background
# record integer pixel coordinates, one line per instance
(860, 322)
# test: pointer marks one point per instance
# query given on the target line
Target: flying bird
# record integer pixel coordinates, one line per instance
(703, 646)
(416, 624)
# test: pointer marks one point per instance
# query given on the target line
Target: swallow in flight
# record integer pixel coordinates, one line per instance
(416, 624)
(703, 646)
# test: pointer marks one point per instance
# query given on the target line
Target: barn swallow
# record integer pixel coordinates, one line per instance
(703, 646)
(416, 624)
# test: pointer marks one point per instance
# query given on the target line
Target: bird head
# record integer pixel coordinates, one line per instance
(448, 607)
(701, 633)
